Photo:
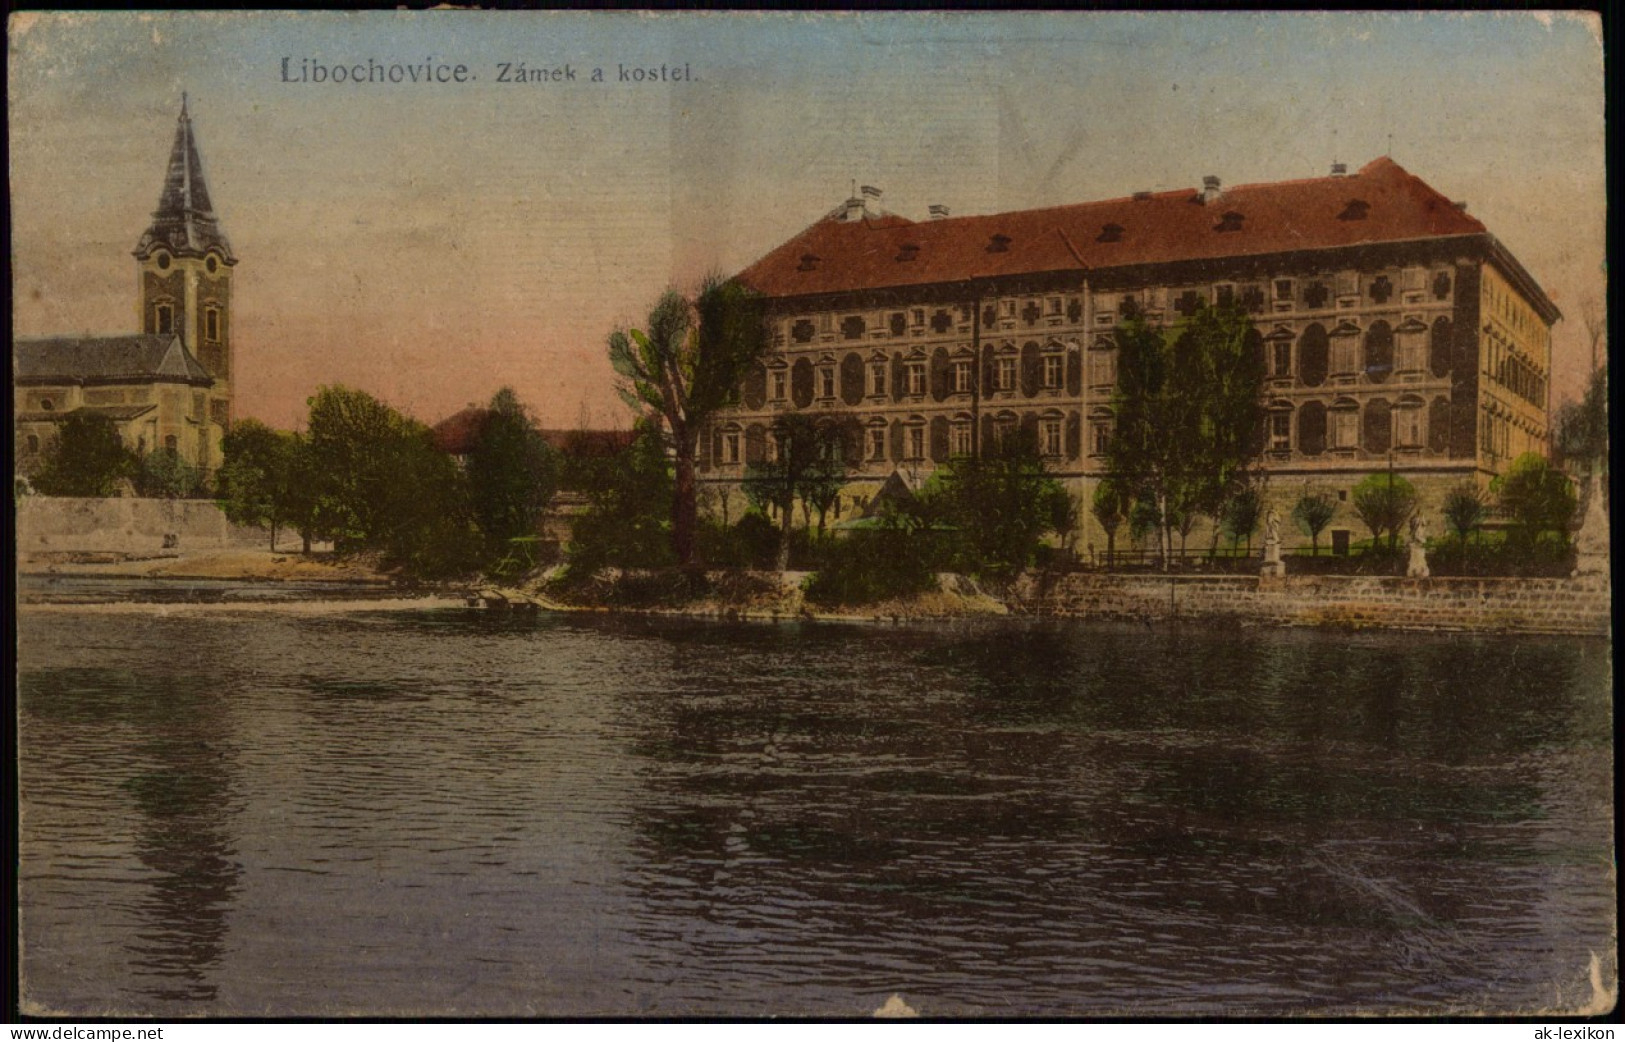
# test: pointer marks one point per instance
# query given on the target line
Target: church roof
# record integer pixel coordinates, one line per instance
(185, 221)
(119, 413)
(1380, 203)
(107, 359)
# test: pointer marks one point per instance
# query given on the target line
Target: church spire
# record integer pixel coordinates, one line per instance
(184, 222)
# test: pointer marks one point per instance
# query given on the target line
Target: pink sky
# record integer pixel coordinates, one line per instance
(433, 243)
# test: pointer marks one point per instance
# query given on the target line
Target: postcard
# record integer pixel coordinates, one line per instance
(681, 516)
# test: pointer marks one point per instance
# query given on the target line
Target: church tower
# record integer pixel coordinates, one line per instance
(185, 265)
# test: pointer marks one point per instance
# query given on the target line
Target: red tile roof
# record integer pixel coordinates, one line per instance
(1153, 228)
(457, 433)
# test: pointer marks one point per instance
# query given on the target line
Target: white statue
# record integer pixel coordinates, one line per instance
(1417, 566)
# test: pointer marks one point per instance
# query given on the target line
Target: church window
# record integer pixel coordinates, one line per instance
(211, 324)
(212, 264)
(163, 262)
(171, 443)
(47, 405)
(164, 316)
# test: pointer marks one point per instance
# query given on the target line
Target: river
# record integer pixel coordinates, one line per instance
(447, 812)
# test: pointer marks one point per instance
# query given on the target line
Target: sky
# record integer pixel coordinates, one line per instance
(431, 243)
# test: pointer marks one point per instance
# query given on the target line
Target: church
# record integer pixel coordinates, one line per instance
(168, 384)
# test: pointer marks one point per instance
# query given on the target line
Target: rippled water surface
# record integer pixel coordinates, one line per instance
(443, 812)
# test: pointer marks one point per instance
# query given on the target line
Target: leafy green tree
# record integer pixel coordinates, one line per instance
(512, 472)
(688, 364)
(1384, 503)
(1536, 498)
(1110, 506)
(808, 463)
(1465, 509)
(87, 458)
(627, 522)
(1188, 415)
(1313, 512)
(1582, 429)
(164, 475)
(383, 485)
(1242, 512)
(1000, 504)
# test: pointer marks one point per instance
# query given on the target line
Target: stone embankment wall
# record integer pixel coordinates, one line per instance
(48, 524)
(1567, 606)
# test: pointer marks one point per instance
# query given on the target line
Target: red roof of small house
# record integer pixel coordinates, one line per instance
(456, 434)
(1380, 203)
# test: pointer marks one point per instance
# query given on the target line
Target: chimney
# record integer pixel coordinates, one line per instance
(1340, 169)
(854, 209)
(938, 212)
(1210, 189)
(1460, 204)
(1141, 197)
(871, 198)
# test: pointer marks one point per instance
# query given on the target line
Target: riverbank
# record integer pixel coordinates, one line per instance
(232, 564)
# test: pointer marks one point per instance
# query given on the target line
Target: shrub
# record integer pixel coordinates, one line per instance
(873, 565)
(1384, 503)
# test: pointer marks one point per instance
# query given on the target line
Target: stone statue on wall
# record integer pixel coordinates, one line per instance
(1417, 566)
(1273, 565)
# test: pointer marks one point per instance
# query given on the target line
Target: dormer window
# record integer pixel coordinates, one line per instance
(1229, 222)
(908, 251)
(1354, 210)
(999, 244)
(809, 262)
(1110, 233)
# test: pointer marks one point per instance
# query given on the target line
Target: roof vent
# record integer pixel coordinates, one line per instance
(1141, 197)
(908, 251)
(999, 244)
(809, 262)
(1230, 222)
(938, 212)
(1110, 233)
(1340, 169)
(1210, 189)
(1354, 210)
(1460, 204)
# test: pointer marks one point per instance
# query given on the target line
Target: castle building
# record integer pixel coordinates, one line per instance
(1395, 329)
(169, 384)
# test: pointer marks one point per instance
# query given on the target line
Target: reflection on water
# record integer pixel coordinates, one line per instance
(448, 812)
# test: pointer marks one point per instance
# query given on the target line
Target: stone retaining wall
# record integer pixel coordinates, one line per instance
(61, 523)
(1569, 606)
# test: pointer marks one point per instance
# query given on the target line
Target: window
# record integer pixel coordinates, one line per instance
(916, 442)
(916, 378)
(877, 443)
(1281, 358)
(899, 323)
(959, 438)
(730, 447)
(171, 443)
(1408, 424)
(1345, 427)
(775, 446)
(1381, 289)
(1345, 353)
(164, 317)
(1100, 435)
(778, 385)
(962, 377)
(826, 382)
(877, 377)
(1280, 430)
(826, 323)
(47, 405)
(802, 331)
(852, 327)
(1050, 436)
(1052, 371)
(1102, 368)
(919, 316)
(211, 324)
(163, 262)
(1055, 305)
(1283, 289)
(1007, 374)
(33, 443)
(1009, 309)
(212, 264)
(1315, 295)
(1225, 295)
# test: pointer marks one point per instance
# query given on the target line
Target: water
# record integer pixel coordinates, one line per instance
(459, 814)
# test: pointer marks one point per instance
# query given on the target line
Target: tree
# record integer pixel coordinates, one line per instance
(627, 522)
(1313, 512)
(1110, 505)
(1384, 503)
(1189, 421)
(164, 475)
(1582, 429)
(1465, 509)
(87, 458)
(1242, 512)
(512, 472)
(1536, 498)
(687, 365)
(268, 478)
(1000, 504)
(808, 463)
